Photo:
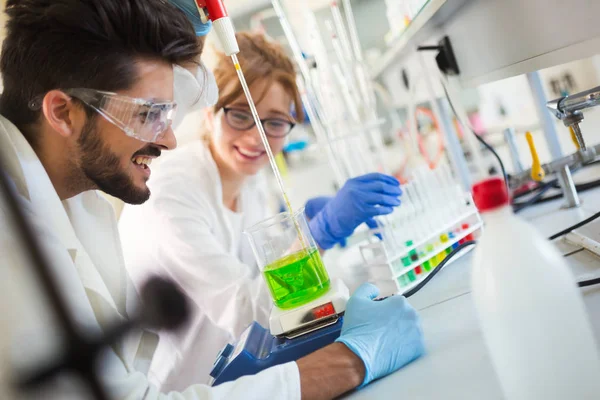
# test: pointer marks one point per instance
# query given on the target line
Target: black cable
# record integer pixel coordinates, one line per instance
(491, 149)
(583, 187)
(438, 268)
(534, 189)
(520, 206)
(589, 282)
(480, 139)
(572, 228)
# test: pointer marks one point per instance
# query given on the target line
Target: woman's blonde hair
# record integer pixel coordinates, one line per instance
(261, 60)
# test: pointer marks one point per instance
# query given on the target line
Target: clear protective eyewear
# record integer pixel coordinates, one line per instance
(141, 119)
(243, 121)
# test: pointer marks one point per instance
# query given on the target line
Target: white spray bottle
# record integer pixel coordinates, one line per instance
(531, 311)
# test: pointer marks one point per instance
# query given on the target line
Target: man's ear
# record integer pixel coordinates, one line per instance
(60, 112)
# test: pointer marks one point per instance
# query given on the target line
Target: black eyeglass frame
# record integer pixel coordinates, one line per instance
(291, 124)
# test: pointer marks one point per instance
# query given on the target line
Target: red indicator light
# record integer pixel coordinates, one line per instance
(324, 311)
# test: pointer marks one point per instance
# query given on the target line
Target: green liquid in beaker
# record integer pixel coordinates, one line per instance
(297, 279)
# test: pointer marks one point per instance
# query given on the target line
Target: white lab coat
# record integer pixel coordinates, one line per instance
(80, 238)
(191, 237)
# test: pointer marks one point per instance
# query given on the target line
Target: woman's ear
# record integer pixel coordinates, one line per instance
(60, 113)
(209, 117)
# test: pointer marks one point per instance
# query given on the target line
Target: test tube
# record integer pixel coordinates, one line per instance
(445, 239)
(327, 95)
(427, 265)
(412, 257)
(403, 280)
(343, 61)
(469, 237)
(340, 28)
(452, 236)
(434, 260)
(397, 266)
(418, 270)
(451, 185)
(320, 133)
(425, 219)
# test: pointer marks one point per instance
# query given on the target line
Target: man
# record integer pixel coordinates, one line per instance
(87, 104)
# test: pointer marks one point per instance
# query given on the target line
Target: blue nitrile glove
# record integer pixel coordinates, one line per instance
(191, 11)
(360, 200)
(386, 335)
(315, 205)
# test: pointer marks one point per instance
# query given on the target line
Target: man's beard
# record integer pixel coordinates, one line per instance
(103, 168)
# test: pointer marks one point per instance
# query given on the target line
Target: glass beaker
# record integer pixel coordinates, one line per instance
(289, 259)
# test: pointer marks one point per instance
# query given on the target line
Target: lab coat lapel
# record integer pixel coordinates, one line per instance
(110, 291)
(86, 227)
(100, 247)
(33, 183)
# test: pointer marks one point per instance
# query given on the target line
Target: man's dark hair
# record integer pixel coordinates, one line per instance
(60, 44)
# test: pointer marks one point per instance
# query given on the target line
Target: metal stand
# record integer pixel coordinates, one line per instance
(565, 179)
(511, 141)
(546, 120)
(455, 151)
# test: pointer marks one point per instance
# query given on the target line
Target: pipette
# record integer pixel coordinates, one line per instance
(215, 11)
(261, 130)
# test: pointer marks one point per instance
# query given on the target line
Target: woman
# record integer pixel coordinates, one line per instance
(205, 194)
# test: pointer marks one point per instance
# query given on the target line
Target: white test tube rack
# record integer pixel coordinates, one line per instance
(417, 238)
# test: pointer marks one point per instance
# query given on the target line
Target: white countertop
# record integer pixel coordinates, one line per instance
(457, 365)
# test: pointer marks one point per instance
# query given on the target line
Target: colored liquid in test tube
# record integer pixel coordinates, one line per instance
(470, 235)
(403, 281)
(459, 232)
(421, 268)
(433, 261)
(412, 257)
(427, 265)
(445, 239)
(452, 236)
(406, 261)
(442, 254)
(412, 276)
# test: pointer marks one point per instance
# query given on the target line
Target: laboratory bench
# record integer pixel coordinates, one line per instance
(457, 365)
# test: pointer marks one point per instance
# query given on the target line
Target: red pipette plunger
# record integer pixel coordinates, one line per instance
(215, 11)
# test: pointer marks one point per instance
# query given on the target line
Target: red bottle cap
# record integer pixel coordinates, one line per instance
(490, 194)
(216, 8)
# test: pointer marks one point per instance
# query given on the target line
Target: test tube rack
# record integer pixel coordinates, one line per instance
(435, 218)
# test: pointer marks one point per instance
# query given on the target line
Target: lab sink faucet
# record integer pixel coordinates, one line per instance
(569, 110)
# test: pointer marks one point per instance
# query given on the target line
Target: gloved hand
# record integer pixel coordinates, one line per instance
(386, 335)
(315, 205)
(191, 11)
(360, 200)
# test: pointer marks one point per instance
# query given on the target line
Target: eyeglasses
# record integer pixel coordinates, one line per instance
(243, 121)
(138, 118)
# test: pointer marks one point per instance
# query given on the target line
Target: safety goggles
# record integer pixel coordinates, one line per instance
(138, 118)
(242, 121)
